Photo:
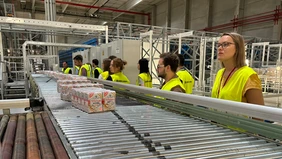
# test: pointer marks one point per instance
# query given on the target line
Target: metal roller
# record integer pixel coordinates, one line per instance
(3, 124)
(45, 145)
(8, 141)
(32, 142)
(57, 145)
(146, 132)
(20, 139)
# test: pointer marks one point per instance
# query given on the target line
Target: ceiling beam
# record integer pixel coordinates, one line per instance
(33, 6)
(96, 3)
(126, 6)
(65, 7)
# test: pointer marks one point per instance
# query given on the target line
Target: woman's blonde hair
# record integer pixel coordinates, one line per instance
(240, 55)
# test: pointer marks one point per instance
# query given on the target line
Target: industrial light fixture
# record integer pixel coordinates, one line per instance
(137, 2)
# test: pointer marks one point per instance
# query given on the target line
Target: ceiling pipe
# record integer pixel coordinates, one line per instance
(253, 19)
(106, 9)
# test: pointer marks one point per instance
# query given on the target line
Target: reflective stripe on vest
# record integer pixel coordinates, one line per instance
(120, 77)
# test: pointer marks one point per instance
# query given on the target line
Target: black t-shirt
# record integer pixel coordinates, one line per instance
(96, 73)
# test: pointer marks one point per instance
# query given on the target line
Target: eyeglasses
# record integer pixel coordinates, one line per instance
(224, 44)
(159, 66)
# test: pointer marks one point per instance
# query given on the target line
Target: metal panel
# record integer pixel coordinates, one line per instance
(52, 24)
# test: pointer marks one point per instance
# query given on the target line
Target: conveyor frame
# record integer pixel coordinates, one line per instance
(148, 132)
(205, 107)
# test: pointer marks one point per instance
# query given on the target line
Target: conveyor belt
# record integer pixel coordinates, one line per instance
(30, 136)
(142, 131)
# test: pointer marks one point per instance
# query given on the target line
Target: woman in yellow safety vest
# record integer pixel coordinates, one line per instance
(144, 77)
(116, 67)
(106, 67)
(235, 81)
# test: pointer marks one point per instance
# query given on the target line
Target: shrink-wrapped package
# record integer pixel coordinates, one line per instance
(93, 99)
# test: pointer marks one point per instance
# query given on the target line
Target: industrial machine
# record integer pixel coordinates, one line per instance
(174, 126)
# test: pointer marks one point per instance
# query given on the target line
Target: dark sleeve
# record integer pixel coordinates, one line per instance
(70, 72)
(109, 78)
(178, 89)
(96, 73)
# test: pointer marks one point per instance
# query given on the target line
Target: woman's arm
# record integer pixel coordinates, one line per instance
(254, 96)
(140, 81)
(253, 90)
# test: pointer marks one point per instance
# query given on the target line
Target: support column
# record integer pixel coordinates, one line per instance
(277, 33)
(187, 14)
(154, 15)
(209, 12)
(2, 66)
(168, 13)
(239, 13)
(50, 15)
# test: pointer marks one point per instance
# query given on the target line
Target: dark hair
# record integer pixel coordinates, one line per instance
(95, 61)
(144, 68)
(171, 60)
(78, 58)
(119, 63)
(107, 63)
(112, 57)
(65, 62)
(181, 59)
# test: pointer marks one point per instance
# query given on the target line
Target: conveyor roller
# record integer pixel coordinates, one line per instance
(143, 131)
